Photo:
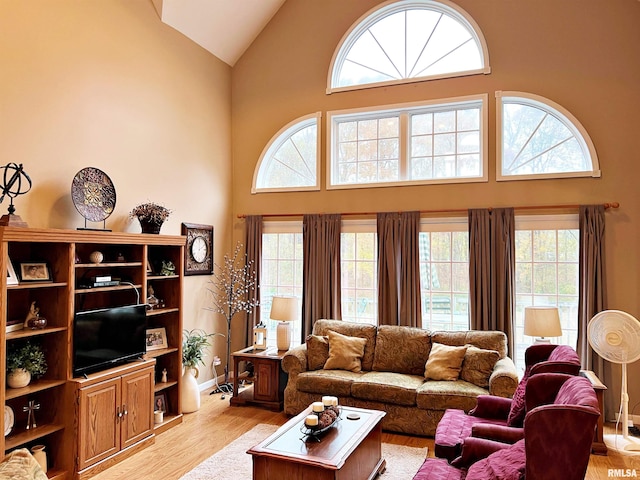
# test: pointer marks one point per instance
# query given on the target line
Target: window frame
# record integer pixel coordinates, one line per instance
(276, 142)
(404, 110)
(394, 6)
(564, 116)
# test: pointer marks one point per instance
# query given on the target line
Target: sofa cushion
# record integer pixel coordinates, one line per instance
(488, 340)
(317, 351)
(443, 394)
(20, 464)
(325, 382)
(478, 365)
(345, 353)
(388, 387)
(444, 362)
(401, 349)
(368, 331)
(506, 464)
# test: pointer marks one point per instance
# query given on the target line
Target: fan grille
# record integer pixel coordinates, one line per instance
(615, 336)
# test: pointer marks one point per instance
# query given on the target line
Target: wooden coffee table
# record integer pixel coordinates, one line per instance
(351, 450)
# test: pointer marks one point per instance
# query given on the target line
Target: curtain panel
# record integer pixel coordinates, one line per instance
(492, 270)
(253, 243)
(321, 291)
(399, 301)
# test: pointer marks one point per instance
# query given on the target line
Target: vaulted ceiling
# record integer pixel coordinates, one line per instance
(226, 28)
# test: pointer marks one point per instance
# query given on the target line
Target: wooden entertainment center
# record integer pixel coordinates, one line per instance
(89, 423)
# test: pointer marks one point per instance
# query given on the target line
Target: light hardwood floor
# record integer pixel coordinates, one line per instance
(216, 424)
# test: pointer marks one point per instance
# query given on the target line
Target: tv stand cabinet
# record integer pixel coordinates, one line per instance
(132, 258)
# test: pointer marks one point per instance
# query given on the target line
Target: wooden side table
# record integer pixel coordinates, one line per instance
(598, 447)
(269, 379)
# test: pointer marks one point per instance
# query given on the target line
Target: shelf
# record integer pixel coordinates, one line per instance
(159, 353)
(169, 421)
(161, 311)
(159, 386)
(107, 289)
(33, 285)
(161, 277)
(108, 265)
(27, 332)
(26, 436)
(53, 474)
(33, 387)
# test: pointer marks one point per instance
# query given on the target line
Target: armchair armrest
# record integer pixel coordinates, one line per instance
(504, 379)
(474, 449)
(489, 406)
(555, 367)
(295, 360)
(499, 433)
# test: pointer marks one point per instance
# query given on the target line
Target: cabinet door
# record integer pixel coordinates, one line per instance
(98, 422)
(265, 386)
(137, 406)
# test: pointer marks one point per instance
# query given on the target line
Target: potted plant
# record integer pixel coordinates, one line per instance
(151, 216)
(193, 345)
(24, 361)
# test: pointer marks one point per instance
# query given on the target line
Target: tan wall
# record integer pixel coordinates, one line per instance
(105, 83)
(581, 54)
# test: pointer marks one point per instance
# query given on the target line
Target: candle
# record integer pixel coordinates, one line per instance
(311, 421)
(327, 400)
(334, 401)
(317, 406)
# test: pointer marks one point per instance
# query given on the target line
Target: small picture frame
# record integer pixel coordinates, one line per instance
(12, 278)
(156, 338)
(160, 403)
(34, 272)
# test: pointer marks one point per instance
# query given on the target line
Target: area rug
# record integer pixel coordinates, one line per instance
(233, 461)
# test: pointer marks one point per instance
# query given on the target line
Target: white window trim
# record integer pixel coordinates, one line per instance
(282, 226)
(569, 221)
(379, 110)
(373, 15)
(570, 121)
(276, 142)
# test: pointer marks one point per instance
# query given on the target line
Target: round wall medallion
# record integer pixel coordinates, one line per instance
(93, 194)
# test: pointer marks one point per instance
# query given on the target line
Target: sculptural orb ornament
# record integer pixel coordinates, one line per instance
(15, 182)
(93, 195)
(96, 257)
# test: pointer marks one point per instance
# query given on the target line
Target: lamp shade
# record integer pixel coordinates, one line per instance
(284, 309)
(542, 322)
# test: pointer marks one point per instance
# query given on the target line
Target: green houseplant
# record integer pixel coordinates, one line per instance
(194, 343)
(24, 361)
(151, 216)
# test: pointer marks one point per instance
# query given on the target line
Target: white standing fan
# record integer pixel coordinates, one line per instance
(615, 336)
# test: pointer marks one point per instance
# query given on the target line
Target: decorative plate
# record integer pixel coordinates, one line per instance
(93, 194)
(8, 420)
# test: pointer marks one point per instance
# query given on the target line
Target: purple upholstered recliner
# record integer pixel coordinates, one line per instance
(556, 444)
(497, 417)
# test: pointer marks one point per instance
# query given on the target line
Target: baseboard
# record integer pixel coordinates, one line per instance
(633, 419)
(210, 383)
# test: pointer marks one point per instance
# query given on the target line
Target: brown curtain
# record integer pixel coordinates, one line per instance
(491, 270)
(399, 269)
(321, 295)
(592, 294)
(253, 244)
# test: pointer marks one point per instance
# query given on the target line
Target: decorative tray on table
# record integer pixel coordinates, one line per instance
(327, 419)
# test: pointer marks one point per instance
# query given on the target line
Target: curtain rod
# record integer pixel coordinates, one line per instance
(450, 210)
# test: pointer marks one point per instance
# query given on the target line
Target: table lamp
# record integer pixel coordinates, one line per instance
(542, 322)
(285, 310)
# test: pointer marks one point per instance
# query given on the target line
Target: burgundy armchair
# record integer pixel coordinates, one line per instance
(556, 444)
(501, 418)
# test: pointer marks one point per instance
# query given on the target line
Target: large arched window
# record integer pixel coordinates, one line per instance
(407, 41)
(291, 160)
(537, 138)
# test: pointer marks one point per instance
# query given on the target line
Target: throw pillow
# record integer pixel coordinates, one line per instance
(518, 403)
(345, 353)
(317, 351)
(478, 365)
(444, 362)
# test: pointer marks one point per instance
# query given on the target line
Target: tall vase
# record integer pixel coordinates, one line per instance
(190, 392)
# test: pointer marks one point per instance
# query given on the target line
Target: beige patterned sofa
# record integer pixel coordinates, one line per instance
(392, 372)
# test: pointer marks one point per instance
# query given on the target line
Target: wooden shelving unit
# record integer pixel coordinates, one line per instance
(128, 257)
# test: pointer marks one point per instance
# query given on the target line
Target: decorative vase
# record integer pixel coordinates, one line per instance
(36, 323)
(190, 392)
(150, 227)
(40, 455)
(19, 378)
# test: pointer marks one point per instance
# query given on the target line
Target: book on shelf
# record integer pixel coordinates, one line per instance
(14, 325)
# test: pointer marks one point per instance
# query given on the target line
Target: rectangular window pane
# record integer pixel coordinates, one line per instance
(358, 262)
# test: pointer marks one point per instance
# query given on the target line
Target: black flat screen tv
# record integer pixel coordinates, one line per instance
(108, 337)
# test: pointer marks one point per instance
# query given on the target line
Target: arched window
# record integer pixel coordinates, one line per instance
(290, 161)
(408, 41)
(538, 138)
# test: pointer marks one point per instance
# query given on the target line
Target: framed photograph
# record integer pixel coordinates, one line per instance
(156, 338)
(198, 253)
(160, 402)
(34, 272)
(12, 278)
